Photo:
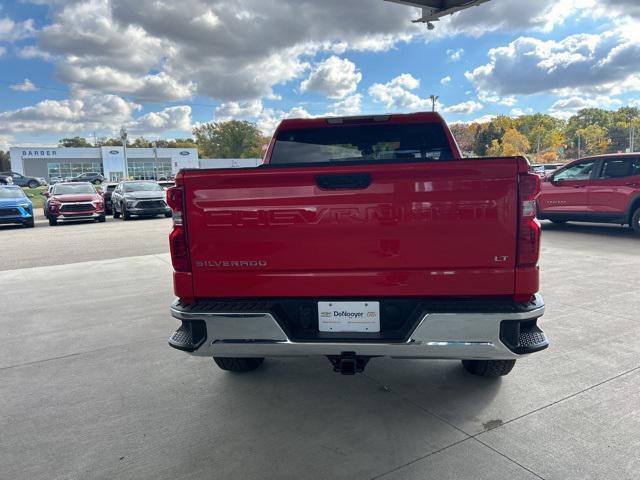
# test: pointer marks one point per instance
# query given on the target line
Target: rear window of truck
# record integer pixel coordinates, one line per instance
(362, 143)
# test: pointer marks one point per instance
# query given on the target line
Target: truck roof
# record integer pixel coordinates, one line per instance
(319, 122)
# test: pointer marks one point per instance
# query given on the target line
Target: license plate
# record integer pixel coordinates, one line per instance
(349, 316)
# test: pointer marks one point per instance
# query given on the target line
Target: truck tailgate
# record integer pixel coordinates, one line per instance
(414, 229)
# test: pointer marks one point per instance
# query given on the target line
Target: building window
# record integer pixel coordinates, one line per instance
(64, 171)
(149, 169)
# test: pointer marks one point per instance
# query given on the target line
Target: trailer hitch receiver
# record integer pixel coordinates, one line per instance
(348, 363)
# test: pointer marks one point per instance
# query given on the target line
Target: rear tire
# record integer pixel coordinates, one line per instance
(635, 221)
(488, 368)
(239, 365)
(53, 221)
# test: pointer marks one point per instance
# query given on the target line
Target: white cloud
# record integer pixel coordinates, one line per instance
(398, 94)
(587, 63)
(116, 46)
(11, 31)
(482, 119)
(238, 110)
(152, 88)
(455, 55)
(464, 107)
(567, 107)
(5, 142)
(31, 51)
(26, 86)
(269, 118)
(153, 123)
(508, 101)
(351, 105)
(84, 111)
(2, 51)
(335, 78)
(513, 16)
(446, 80)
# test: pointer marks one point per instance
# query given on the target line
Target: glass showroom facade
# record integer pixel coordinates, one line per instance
(68, 170)
(149, 169)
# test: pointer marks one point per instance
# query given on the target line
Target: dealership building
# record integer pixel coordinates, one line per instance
(63, 162)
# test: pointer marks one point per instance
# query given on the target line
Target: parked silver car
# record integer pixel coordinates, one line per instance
(139, 198)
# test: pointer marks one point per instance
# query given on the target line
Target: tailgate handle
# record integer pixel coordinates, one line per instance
(355, 181)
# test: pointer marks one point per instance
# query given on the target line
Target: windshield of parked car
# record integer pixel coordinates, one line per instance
(70, 189)
(142, 187)
(11, 192)
(361, 143)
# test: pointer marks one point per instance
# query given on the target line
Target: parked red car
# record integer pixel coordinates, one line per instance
(73, 201)
(601, 189)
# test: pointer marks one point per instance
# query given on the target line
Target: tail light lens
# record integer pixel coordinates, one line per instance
(529, 227)
(178, 243)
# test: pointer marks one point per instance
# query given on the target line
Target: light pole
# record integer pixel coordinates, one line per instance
(434, 100)
(123, 137)
(155, 159)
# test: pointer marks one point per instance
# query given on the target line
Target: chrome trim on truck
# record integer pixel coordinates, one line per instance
(438, 335)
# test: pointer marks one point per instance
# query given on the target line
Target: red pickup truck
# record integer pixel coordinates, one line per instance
(359, 237)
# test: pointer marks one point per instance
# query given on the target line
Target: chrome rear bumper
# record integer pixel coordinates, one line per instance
(438, 336)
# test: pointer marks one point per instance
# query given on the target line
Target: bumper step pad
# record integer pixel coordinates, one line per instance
(523, 337)
(190, 336)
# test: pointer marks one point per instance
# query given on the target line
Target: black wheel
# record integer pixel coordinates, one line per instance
(168, 215)
(116, 213)
(102, 218)
(97, 182)
(53, 221)
(125, 215)
(238, 364)
(559, 222)
(30, 223)
(33, 184)
(488, 368)
(635, 221)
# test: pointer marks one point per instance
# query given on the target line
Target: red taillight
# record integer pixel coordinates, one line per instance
(178, 243)
(529, 227)
(179, 249)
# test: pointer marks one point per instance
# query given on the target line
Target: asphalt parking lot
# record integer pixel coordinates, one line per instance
(90, 389)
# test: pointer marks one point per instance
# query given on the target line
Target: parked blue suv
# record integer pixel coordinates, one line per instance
(15, 206)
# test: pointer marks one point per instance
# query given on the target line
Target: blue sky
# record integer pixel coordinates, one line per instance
(159, 67)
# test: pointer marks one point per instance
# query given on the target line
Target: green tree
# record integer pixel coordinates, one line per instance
(141, 142)
(512, 143)
(109, 142)
(74, 142)
(465, 135)
(593, 139)
(5, 161)
(232, 139)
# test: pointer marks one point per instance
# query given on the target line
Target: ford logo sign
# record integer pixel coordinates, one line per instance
(185, 153)
(114, 152)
